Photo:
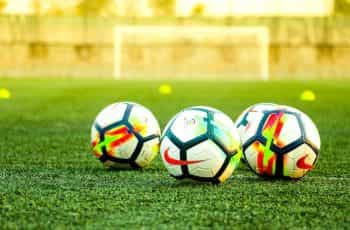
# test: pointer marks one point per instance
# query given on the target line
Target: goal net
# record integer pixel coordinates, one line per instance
(191, 52)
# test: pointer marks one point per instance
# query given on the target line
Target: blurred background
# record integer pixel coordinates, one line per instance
(205, 39)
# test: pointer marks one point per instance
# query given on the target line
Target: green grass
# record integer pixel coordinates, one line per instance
(49, 178)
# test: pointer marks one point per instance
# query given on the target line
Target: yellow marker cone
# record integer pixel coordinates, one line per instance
(308, 95)
(5, 93)
(165, 89)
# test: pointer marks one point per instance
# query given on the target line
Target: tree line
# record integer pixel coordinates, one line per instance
(110, 7)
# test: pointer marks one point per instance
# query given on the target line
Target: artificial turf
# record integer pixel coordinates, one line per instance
(50, 179)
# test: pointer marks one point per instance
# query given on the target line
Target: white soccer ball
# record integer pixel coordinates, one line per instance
(278, 140)
(125, 134)
(201, 143)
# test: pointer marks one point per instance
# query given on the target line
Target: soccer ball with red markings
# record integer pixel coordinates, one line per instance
(278, 141)
(125, 135)
(201, 143)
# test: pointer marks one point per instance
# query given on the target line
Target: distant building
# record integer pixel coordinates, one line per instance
(220, 8)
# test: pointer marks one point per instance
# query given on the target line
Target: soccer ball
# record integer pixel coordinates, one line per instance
(201, 143)
(278, 141)
(125, 135)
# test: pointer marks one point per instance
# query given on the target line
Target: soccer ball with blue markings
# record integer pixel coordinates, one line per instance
(125, 135)
(201, 143)
(278, 141)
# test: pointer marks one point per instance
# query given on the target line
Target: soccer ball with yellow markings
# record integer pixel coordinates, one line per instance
(278, 141)
(125, 134)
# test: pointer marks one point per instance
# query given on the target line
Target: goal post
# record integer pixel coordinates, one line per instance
(191, 52)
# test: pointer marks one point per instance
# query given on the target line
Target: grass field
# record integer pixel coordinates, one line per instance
(49, 178)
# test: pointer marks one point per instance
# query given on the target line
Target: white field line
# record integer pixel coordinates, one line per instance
(308, 178)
